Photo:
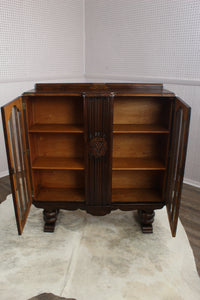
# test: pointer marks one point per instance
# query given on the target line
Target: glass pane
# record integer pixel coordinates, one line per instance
(19, 171)
(176, 161)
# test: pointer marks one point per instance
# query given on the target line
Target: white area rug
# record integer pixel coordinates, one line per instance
(95, 258)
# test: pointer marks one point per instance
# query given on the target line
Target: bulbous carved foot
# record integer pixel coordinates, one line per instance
(50, 217)
(146, 219)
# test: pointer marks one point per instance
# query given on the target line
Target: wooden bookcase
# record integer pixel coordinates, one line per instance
(96, 147)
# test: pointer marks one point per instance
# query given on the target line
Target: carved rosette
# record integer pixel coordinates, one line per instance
(98, 147)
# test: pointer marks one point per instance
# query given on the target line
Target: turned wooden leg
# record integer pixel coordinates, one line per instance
(146, 219)
(50, 217)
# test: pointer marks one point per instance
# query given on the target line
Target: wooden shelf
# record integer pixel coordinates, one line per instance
(58, 163)
(139, 128)
(60, 194)
(136, 195)
(56, 128)
(137, 164)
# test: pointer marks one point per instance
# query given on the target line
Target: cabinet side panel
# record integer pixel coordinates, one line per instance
(98, 141)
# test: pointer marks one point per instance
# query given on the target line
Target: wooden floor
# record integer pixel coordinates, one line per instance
(189, 214)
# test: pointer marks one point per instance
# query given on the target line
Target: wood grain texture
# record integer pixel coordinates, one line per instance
(139, 145)
(55, 110)
(60, 194)
(139, 128)
(130, 163)
(145, 110)
(59, 178)
(121, 89)
(136, 195)
(137, 179)
(190, 218)
(59, 128)
(98, 145)
(58, 163)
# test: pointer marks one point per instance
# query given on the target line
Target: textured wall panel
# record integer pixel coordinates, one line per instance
(41, 39)
(143, 38)
(191, 95)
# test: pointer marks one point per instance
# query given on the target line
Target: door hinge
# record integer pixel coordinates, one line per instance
(23, 105)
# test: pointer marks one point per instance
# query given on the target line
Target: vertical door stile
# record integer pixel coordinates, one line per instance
(98, 156)
(14, 132)
(176, 166)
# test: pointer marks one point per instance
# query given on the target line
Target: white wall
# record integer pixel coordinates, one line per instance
(126, 40)
(149, 41)
(39, 40)
(191, 94)
(143, 39)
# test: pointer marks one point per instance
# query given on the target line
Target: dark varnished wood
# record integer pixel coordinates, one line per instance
(146, 219)
(177, 159)
(99, 147)
(122, 89)
(13, 118)
(136, 195)
(50, 218)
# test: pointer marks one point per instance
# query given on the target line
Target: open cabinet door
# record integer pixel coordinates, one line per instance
(15, 138)
(178, 151)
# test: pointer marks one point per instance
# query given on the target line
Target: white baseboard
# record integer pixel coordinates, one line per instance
(192, 182)
(4, 173)
(145, 79)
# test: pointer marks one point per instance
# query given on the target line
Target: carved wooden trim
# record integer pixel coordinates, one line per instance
(98, 148)
(146, 219)
(50, 218)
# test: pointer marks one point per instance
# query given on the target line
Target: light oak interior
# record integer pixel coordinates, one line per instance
(49, 182)
(45, 110)
(141, 127)
(139, 145)
(59, 145)
(141, 111)
(55, 130)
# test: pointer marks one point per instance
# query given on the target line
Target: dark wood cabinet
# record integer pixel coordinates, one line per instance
(96, 147)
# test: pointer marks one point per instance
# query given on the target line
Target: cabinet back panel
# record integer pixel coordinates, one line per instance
(141, 110)
(58, 179)
(55, 110)
(139, 145)
(137, 179)
(56, 145)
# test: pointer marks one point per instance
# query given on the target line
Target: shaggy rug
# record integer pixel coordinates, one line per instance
(95, 258)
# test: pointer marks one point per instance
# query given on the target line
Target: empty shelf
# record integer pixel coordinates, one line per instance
(136, 195)
(58, 163)
(137, 164)
(139, 128)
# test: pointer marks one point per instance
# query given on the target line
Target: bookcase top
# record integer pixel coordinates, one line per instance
(95, 89)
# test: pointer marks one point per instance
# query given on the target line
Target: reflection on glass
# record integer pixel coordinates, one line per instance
(178, 148)
(15, 133)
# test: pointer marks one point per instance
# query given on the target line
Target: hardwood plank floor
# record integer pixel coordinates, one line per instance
(5, 188)
(189, 214)
(190, 218)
